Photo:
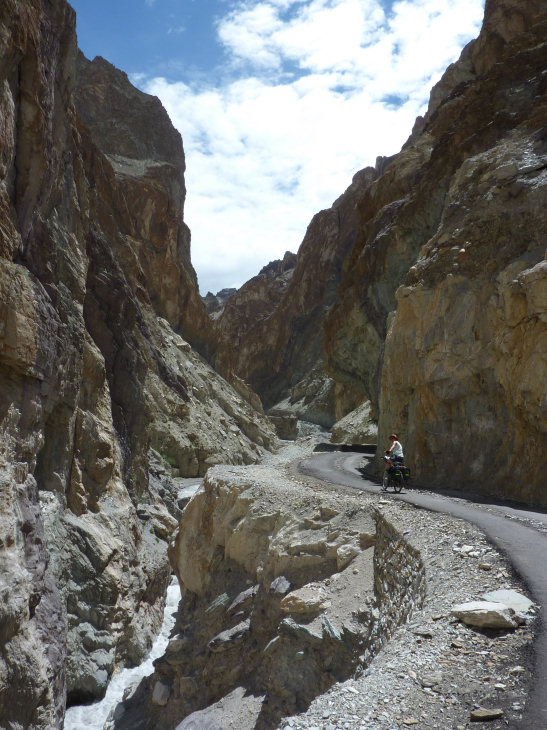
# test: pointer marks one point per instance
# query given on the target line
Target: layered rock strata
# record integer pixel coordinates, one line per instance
(441, 315)
(97, 293)
(282, 595)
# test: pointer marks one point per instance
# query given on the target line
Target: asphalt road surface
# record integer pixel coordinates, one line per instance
(519, 533)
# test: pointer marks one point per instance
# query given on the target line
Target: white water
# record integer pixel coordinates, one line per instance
(93, 717)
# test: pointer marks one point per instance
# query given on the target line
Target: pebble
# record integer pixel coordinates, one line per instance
(484, 713)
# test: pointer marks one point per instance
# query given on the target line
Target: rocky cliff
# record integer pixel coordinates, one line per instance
(106, 397)
(435, 283)
(441, 315)
(215, 303)
(276, 319)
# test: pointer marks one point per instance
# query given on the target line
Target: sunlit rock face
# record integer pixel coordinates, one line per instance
(441, 317)
(275, 320)
(357, 427)
(99, 313)
(143, 255)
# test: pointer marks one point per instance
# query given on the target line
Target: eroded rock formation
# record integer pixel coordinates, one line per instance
(97, 384)
(276, 319)
(441, 315)
(282, 595)
(357, 427)
(107, 394)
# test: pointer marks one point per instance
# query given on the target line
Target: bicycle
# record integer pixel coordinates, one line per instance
(396, 475)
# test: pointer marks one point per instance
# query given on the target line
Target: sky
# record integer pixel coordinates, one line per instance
(279, 102)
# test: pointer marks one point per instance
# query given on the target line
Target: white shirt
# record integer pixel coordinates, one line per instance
(397, 449)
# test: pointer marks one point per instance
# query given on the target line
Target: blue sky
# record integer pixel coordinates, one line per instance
(168, 38)
(279, 102)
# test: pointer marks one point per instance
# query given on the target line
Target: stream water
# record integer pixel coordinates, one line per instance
(94, 716)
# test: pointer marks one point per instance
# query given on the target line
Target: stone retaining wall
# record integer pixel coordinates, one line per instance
(399, 582)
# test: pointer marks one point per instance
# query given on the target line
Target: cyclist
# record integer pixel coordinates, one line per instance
(394, 457)
(395, 451)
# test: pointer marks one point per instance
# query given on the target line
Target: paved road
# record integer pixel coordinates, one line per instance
(520, 533)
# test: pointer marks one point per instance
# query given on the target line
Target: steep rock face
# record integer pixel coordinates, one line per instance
(35, 346)
(276, 323)
(134, 133)
(357, 427)
(141, 270)
(449, 267)
(258, 298)
(215, 303)
(94, 278)
(253, 304)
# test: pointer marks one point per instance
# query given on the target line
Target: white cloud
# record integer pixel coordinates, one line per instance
(245, 33)
(268, 150)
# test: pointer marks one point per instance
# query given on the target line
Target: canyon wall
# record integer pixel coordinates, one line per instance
(434, 285)
(419, 296)
(441, 315)
(106, 396)
(275, 320)
(424, 306)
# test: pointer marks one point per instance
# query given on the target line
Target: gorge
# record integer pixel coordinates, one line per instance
(416, 303)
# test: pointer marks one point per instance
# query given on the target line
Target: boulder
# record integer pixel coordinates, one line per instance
(486, 615)
(484, 714)
(286, 425)
(160, 695)
(227, 639)
(310, 599)
(515, 600)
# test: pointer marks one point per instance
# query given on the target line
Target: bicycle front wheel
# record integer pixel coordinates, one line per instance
(385, 480)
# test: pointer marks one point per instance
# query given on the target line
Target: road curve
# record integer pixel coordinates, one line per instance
(518, 533)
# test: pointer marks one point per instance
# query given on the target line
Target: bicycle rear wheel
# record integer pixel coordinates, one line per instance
(398, 483)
